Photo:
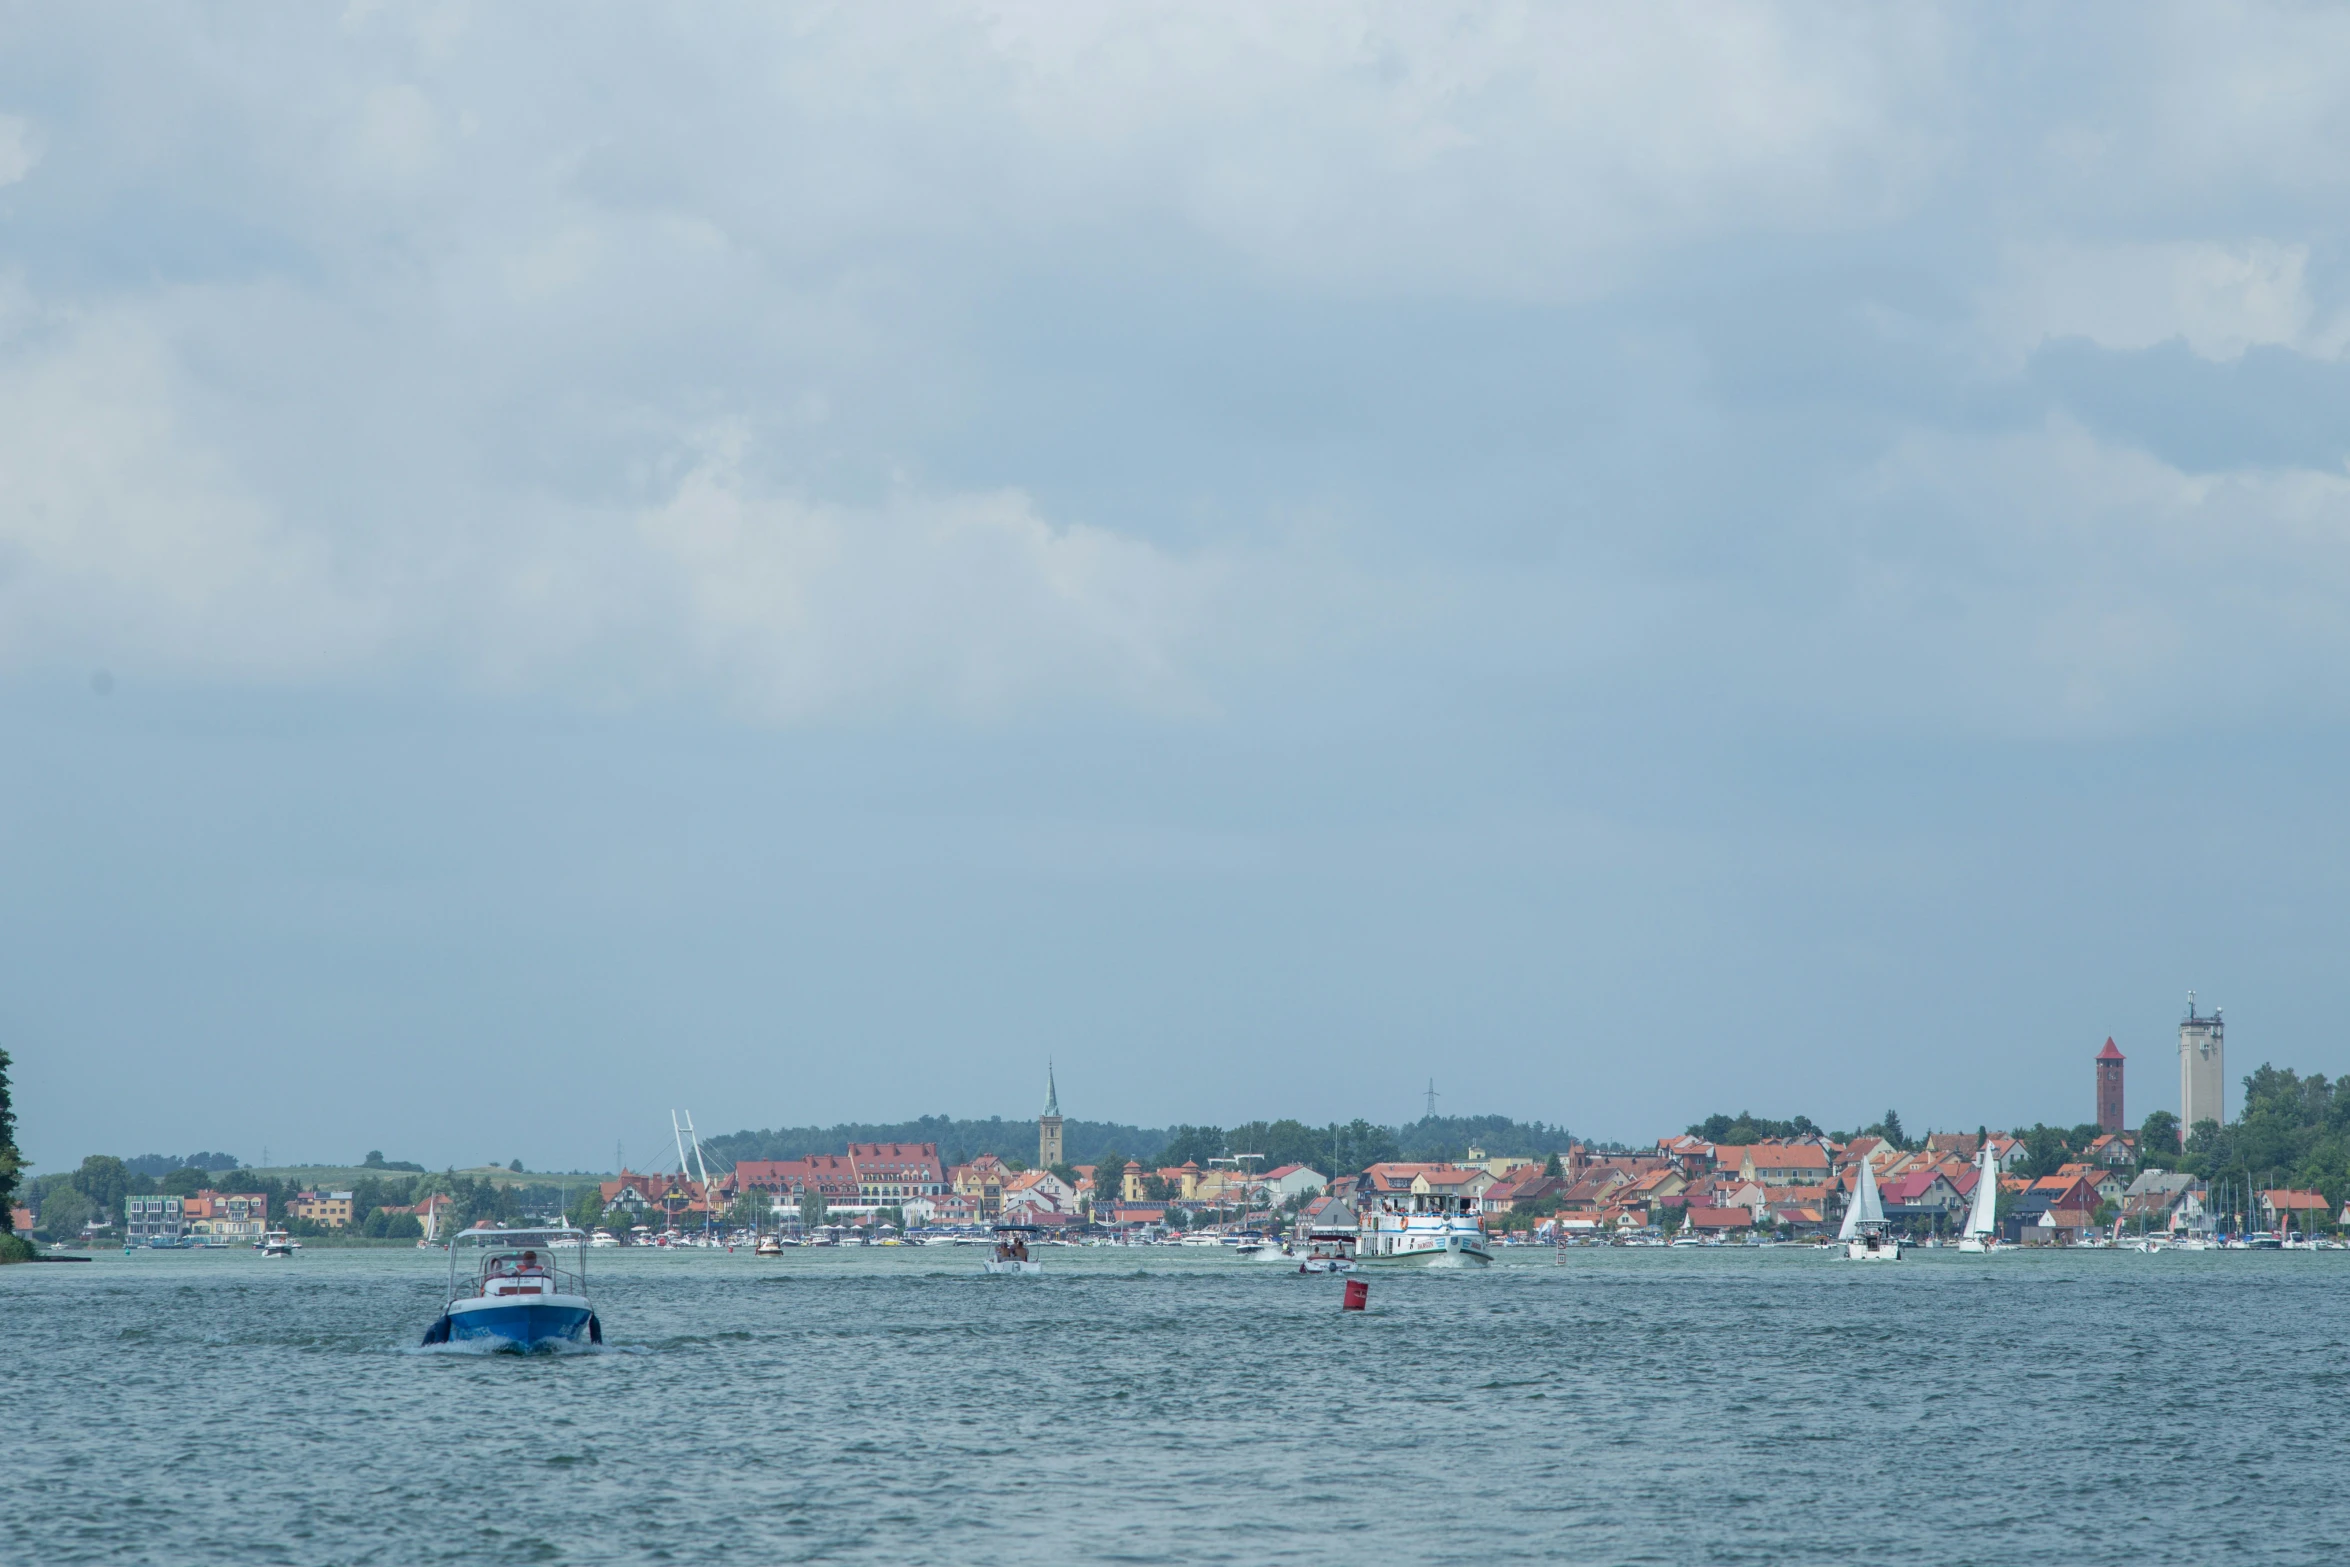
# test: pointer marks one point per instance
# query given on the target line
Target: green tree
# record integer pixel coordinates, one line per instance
(1553, 1170)
(2158, 1140)
(104, 1181)
(812, 1209)
(11, 1163)
(1109, 1176)
(1745, 1127)
(1194, 1145)
(186, 1181)
(2045, 1148)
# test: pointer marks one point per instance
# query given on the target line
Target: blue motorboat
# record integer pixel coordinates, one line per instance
(517, 1289)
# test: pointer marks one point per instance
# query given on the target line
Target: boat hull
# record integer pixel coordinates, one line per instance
(1463, 1256)
(1006, 1265)
(1861, 1251)
(545, 1322)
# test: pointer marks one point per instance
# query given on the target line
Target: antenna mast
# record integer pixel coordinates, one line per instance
(1433, 1096)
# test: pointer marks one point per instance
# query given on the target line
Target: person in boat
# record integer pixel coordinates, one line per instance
(530, 1268)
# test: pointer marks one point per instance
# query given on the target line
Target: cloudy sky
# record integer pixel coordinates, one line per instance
(793, 562)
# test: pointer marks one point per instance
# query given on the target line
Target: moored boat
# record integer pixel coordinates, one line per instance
(277, 1243)
(509, 1289)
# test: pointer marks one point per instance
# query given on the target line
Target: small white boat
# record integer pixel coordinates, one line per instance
(1865, 1234)
(1011, 1249)
(277, 1243)
(603, 1238)
(1982, 1221)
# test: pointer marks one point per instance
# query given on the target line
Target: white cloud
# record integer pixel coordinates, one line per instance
(122, 536)
(971, 604)
(126, 537)
(2220, 299)
(2044, 581)
(20, 148)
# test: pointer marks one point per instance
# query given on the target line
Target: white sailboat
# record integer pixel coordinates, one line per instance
(1866, 1235)
(1982, 1218)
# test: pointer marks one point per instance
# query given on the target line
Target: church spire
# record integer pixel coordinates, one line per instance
(1052, 1095)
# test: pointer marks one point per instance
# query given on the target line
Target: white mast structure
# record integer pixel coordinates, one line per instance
(681, 1134)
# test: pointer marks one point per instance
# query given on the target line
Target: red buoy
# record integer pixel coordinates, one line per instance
(1358, 1294)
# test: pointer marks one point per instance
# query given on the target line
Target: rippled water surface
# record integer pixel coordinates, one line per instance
(1156, 1406)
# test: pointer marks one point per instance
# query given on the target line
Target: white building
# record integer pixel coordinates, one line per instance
(1292, 1180)
(2203, 1076)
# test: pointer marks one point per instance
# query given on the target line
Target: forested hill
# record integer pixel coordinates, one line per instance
(1333, 1149)
(959, 1142)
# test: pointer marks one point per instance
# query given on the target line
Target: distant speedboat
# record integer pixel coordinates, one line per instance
(277, 1243)
(1011, 1249)
(514, 1292)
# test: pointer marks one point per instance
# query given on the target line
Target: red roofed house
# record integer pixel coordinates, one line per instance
(1777, 1164)
(889, 1173)
(2281, 1208)
(1716, 1220)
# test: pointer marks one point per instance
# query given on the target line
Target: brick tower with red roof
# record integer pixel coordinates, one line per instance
(2109, 1089)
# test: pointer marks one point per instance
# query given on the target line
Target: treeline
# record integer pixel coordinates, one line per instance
(959, 1141)
(2294, 1131)
(71, 1200)
(1334, 1149)
(157, 1165)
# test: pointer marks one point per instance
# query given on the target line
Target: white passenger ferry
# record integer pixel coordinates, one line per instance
(1437, 1229)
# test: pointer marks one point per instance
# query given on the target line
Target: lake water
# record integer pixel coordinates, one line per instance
(895, 1405)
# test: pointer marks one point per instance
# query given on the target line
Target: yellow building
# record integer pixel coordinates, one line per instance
(328, 1208)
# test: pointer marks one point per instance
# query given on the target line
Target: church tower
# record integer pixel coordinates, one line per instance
(2109, 1088)
(1048, 1125)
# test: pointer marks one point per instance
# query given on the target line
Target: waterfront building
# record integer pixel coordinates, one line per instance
(1048, 1125)
(332, 1209)
(236, 1217)
(2109, 1088)
(1034, 1192)
(1293, 1180)
(889, 1173)
(2203, 1079)
(2280, 1210)
(153, 1218)
(982, 1180)
(1130, 1187)
(1716, 1221)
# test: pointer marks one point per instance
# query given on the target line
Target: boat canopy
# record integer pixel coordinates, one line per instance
(516, 1240)
(1018, 1229)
